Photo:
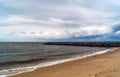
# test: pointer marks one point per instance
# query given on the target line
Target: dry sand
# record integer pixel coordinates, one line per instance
(105, 65)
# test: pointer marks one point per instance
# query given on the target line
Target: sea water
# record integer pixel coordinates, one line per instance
(17, 58)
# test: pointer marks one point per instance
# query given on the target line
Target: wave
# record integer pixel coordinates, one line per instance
(74, 58)
(2, 76)
(15, 71)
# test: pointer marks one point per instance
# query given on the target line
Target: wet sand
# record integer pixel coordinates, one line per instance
(105, 65)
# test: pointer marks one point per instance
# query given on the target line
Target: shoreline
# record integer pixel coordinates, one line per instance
(57, 65)
(21, 70)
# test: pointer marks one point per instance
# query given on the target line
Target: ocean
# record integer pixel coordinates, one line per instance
(21, 57)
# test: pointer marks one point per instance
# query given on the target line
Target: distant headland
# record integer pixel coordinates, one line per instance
(91, 44)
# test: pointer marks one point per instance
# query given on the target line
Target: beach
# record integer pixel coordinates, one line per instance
(104, 65)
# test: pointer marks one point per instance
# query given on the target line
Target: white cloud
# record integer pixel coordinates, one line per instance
(17, 20)
(55, 32)
(117, 33)
(91, 30)
(63, 19)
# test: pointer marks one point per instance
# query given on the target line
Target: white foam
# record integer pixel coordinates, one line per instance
(73, 58)
(45, 64)
(2, 76)
(15, 71)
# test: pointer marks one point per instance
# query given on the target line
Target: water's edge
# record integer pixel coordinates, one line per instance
(51, 63)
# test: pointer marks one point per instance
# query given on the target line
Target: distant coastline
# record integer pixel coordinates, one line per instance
(91, 44)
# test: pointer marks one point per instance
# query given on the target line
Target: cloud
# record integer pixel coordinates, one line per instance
(59, 19)
(55, 33)
(117, 33)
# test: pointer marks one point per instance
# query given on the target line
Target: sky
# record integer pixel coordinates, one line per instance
(59, 20)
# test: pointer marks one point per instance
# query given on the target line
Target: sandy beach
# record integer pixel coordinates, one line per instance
(105, 65)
